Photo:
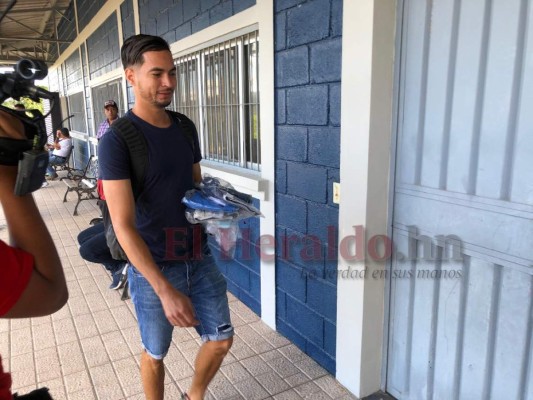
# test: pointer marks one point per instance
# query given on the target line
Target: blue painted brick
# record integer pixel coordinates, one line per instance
(330, 338)
(307, 105)
(307, 181)
(290, 333)
(326, 61)
(183, 31)
(292, 67)
(322, 298)
(126, 8)
(280, 304)
(175, 16)
(170, 36)
(321, 357)
(324, 146)
(284, 4)
(335, 104)
(308, 23)
(336, 18)
(241, 5)
(220, 12)
(281, 177)
(191, 8)
(200, 22)
(281, 115)
(253, 225)
(249, 301)
(239, 274)
(248, 254)
(281, 231)
(232, 288)
(323, 222)
(291, 212)
(305, 321)
(333, 176)
(162, 23)
(162, 5)
(303, 250)
(255, 286)
(149, 27)
(291, 143)
(207, 4)
(280, 32)
(291, 280)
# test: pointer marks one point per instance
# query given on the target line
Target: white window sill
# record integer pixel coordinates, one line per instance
(249, 182)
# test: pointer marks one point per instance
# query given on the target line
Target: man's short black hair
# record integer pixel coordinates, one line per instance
(135, 46)
(65, 132)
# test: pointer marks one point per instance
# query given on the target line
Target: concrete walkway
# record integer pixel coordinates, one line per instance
(90, 348)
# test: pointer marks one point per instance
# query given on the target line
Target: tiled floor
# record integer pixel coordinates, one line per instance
(90, 348)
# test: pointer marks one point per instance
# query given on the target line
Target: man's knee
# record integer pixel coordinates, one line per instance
(151, 361)
(221, 347)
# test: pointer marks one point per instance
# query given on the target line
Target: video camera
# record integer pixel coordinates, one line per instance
(29, 153)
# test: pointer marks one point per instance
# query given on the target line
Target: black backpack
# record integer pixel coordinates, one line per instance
(138, 150)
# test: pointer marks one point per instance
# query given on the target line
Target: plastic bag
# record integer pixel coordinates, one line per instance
(219, 207)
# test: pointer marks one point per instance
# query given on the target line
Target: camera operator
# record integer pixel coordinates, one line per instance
(32, 282)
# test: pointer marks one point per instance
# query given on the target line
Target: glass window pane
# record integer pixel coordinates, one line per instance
(217, 87)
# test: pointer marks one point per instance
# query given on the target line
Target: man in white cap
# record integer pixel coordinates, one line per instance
(111, 115)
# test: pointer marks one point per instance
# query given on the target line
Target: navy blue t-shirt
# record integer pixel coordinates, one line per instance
(160, 215)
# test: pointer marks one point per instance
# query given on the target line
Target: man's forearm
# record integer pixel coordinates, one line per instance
(139, 255)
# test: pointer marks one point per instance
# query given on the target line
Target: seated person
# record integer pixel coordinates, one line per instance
(93, 248)
(60, 151)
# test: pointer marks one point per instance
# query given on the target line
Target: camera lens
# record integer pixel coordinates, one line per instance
(31, 69)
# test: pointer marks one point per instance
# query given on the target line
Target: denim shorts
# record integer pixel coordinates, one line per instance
(202, 281)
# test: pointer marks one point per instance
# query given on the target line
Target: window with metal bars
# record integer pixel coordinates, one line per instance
(102, 93)
(218, 89)
(76, 108)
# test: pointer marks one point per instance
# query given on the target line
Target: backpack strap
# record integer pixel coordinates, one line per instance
(138, 151)
(187, 126)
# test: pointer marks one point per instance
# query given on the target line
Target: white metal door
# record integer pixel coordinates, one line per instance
(461, 323)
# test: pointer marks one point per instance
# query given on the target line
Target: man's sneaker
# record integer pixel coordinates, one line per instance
(45, 184)
(116, 275)
(120, 277)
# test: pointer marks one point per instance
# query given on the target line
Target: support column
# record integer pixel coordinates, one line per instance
(368, 44)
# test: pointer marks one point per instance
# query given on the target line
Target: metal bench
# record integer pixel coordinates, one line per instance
(85, 186)
(72, 173)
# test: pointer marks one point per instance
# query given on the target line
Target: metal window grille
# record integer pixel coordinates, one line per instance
(218, 88)
(100, 94)
(77, 108)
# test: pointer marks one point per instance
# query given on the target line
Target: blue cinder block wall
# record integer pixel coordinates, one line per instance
(175, 20)
(66, 29)
(128, 19)
(307, 79)
(87, 9)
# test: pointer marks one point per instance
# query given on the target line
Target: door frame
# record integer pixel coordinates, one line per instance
(397, 90)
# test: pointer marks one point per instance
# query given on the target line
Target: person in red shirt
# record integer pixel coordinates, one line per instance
(32, 282)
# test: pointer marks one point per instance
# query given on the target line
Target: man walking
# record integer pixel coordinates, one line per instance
(167, 288)
(111, 115)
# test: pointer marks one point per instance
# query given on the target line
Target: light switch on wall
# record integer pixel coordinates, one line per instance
(336, 192)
